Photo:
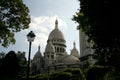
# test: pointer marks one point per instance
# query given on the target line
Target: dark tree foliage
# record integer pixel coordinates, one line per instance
(10, 64)
(77, 73)
(22, 64)
(14, 17)
(99, 19)
(96, 73)
(60, 76)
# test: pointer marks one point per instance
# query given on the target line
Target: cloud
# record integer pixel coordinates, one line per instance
(46, 21)
(40, 39)
(42, 26)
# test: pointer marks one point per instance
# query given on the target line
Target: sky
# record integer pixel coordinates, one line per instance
(43, 14)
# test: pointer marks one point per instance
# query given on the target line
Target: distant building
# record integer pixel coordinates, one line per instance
(55, 56)
(86, 51)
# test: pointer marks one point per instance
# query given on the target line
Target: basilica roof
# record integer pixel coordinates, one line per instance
(70, 59)
(56, 33)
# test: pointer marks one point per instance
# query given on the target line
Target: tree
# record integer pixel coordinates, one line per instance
(97, 72)
(2, 55)
(77, 73)
(22, 63)
(60, 76)
(99, 20)
(14, 17)
(9, 68)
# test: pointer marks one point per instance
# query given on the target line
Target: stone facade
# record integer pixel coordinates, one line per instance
(86, 51)
(55, 56)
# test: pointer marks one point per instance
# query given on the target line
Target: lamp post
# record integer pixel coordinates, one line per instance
(30, 38)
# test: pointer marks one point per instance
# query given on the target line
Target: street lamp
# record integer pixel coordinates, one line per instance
(30, 38)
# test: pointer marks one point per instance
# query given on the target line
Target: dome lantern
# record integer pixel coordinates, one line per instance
(39, 48)
(56, 24)
(74, 44)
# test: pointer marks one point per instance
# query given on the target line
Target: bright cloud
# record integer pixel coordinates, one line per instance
(42, 26)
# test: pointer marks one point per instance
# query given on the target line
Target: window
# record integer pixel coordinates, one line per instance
(60, 49)
(57, 49)
(52, 56)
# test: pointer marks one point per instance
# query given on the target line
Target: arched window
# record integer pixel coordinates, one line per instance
(57, 49)
(60, 49)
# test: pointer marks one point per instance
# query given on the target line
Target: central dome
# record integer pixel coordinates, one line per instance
(56, 33)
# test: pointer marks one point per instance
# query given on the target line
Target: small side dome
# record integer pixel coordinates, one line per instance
(37, 62)
(38, 54)
(74, 51)
(70, 59)
(49, 46)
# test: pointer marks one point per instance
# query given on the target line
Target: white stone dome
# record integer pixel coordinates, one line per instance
(70, 59)
(49, 47)
(38, 54)
(57, 34)
(74, 51)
